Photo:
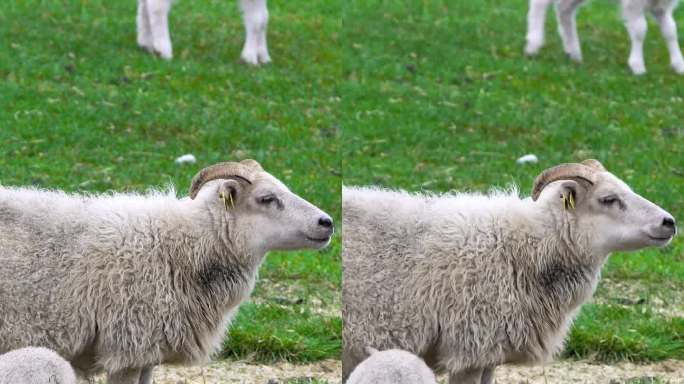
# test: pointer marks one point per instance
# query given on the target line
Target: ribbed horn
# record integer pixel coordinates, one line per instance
(243, 170)
(253, 164)
(593, 163)
(581, 173)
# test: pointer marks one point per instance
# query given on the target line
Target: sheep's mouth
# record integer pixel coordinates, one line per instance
(318, 240)
(660, 239)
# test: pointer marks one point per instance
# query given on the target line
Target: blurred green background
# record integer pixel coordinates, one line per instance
(439, 96)
(83, 109)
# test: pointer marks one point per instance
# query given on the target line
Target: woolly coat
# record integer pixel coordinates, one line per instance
(118, 281)
(462, 280)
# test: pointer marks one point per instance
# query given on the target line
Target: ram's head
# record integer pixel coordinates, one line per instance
(261, 206)
(604, 208)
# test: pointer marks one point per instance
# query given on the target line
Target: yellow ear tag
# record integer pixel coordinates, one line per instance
(572, 200)
(230, 197)
(222, 196)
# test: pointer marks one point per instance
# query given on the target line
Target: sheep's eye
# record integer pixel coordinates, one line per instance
(268, 199)
(609, 200)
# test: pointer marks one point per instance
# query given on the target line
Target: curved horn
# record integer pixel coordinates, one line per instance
(252, 164)
(581, 173)
(227, 170)
(593, 163)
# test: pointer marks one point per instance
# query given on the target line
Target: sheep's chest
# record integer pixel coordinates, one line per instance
(204, 320)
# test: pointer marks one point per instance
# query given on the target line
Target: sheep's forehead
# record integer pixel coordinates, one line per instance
(265, 179)
(607, 182)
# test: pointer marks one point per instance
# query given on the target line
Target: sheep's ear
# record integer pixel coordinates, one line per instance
(229, 193)
(571, 194)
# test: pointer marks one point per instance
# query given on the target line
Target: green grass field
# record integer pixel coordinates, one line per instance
(83, 109)
(439, 96)
(421, 95)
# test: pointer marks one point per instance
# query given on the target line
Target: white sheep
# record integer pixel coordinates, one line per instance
(472, 281)
(633, 12)
(35, 366)
(393, 366)
(123, 282)
(154, 36)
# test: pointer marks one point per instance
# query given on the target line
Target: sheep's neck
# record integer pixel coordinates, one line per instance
(220, 272)
(562, 280)
(564, 271)
(213, 282)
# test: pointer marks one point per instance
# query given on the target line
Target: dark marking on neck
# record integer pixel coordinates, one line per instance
(215, 277)
(559, 278)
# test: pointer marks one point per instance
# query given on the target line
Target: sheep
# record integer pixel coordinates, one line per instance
(393, 366)
(122, 282)
(469, 281)
(153, 29)
(35, 366)
(633, 12)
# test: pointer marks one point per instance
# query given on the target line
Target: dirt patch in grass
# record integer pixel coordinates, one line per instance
(669, 371)
(329, 371)
(224, 372)
(240, 372)
(665, 298)
(325, 302)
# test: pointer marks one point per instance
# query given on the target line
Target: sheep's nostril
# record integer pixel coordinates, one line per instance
(668, 222)
(325, 222)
